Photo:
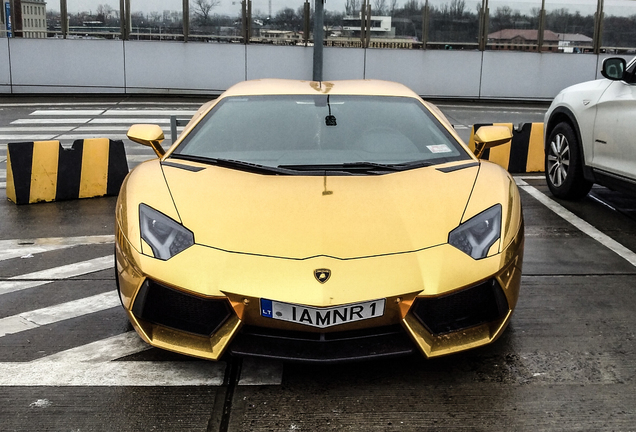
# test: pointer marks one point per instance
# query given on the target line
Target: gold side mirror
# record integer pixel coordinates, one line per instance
(488, 137)
(148, 135)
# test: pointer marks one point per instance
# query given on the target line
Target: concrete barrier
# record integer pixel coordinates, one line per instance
(523, 154)
(44, 171)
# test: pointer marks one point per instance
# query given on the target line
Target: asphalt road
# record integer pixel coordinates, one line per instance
(69, 361)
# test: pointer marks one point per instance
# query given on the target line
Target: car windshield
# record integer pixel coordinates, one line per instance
(321, 132)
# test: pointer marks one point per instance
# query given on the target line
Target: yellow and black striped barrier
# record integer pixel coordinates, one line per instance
(43, 171)
(523, 154)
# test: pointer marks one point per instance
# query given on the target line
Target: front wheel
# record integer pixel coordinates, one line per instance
(564, 164)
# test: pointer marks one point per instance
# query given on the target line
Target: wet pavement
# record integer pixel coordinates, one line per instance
(566, 363)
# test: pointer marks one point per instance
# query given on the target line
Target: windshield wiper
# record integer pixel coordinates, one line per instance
(359, 167)
(393, 167)
(236, 164)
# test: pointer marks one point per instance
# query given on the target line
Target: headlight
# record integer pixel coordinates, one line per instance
(475, 236)
(165, 236)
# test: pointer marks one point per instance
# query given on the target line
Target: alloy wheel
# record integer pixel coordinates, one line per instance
(558, 159)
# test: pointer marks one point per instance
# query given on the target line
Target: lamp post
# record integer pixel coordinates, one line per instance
(319, 19)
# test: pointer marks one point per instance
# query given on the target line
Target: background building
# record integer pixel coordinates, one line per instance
(33, 18)
(28, 18)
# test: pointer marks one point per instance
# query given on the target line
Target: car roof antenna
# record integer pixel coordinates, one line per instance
(330, 120)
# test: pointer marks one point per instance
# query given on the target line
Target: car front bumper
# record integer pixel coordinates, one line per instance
(414, 284)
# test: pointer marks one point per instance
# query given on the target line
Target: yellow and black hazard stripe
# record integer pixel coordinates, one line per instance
(523, 154)
(44, 171)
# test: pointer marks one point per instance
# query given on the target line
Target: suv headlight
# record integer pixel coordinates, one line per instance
(165, 236)
(475, 236)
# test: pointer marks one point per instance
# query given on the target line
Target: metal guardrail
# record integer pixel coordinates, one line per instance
(174, 123)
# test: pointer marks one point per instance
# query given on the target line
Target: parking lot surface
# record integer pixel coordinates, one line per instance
(69, 360)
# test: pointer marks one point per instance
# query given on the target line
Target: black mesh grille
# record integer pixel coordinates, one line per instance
(334, 347)
(165, 306)
(467, 308)
(331, 336)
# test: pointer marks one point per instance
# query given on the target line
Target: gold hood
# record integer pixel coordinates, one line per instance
(299, 217)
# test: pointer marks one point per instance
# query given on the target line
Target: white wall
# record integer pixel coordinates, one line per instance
(5, 71)
(177, 67)
(431, 73)
(509, 74)
(289, 62)
(112, 66)
(66, 66)
(342, 63)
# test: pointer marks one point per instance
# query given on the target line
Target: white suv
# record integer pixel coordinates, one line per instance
(590, 133)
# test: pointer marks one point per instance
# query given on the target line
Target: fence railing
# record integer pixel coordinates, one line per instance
(594, 26)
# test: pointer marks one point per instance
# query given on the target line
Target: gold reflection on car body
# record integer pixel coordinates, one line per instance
(265, 236)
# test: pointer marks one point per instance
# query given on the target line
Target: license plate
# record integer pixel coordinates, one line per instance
(322, 317)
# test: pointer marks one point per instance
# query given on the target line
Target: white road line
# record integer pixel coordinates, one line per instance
(88, 136)
(36, 128)
(31, 280)
(51, 121)
(26, 138)
(111, 120)
(112, 128)
(537, 176)
(149, 112)
(102, 128)
(3, 185)
(61, 312)
(66, 112)
(123, 373)
(70, 270)
(104, 350)
(20, 247)
(579, 223)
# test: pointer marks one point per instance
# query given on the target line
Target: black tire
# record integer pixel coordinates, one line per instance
(564, 164)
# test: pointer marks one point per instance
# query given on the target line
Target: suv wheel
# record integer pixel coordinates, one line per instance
(564, 164)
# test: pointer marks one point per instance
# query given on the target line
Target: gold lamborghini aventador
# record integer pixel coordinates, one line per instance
(318, 221)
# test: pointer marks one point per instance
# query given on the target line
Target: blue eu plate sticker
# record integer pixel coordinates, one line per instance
(266, 308)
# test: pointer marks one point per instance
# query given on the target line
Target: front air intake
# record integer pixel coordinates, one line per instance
(470, 307)
(168, 307)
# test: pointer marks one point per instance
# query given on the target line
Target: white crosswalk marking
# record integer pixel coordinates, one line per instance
(73, 137)
(110, 128)
(36, 128)
(65, 112)
(108, 349)
(132, 120)
(25, 138)
(62, 373)
(96, 363)
(17, 248)
(51, 121)
(43, 277)
(64, 311)
(149, 112)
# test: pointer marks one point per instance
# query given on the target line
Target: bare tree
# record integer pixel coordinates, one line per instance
(352, 7)
(392, 7)
(457, 7)
(379, 7)
(105, 10)
(202, 10)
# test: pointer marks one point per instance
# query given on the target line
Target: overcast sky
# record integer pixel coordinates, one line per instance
(233, 7)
